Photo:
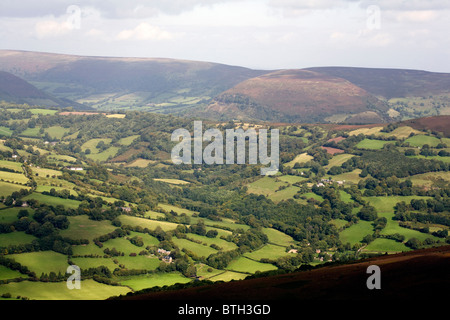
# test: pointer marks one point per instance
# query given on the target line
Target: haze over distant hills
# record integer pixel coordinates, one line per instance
(223, 92)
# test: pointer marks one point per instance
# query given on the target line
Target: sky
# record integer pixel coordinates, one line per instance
(258, 34)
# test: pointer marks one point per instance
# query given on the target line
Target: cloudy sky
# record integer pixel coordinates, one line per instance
(263, 34)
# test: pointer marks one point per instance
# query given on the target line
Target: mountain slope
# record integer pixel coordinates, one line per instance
(17, 90)
(113, 83)
(392, 83)
(342, 282)
(300, 96)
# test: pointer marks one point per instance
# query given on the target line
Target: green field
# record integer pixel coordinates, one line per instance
(31, 132)
(57, 132)
(349, 177)
(154, 280)
(9, 215)
(42, 261)
(81, 227)
(90, 290)
(386, 245)
(92, 145)
(287, 193)
(278, 237)
(4, 131)
(43, 172)
(355, 233)
(291, 179)
(173, 181)
(420, 140)
(301, 158)
(225, 245)
(430, 179)
(266, 185)
(13, 177)
(17, 166)
(371, 144)
(385, 208)
(53, 201)
(199, 249)
(7, 189)
(6, 273)
(128, 140)
(105, 155)
(228, 276)
(245, 265)
(147, 223)
(269, 251)
(16, 238)
(338, 160)
(43, 111)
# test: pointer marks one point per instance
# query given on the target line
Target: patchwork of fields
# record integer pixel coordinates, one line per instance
(196, 225)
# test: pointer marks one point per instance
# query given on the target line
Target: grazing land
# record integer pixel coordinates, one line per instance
(114, 204)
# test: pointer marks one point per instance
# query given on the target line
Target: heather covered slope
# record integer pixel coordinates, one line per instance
(392, 83)
(300, 96)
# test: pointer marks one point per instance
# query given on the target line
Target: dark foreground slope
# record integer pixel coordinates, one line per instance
(416, 275)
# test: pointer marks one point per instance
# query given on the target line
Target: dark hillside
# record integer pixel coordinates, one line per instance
(392, 83)
(428, 279)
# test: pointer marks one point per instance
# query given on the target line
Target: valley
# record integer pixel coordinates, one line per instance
(98, 189)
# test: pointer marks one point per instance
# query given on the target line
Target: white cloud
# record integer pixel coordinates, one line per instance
(145, 31)
(52, 28)
(417, 16)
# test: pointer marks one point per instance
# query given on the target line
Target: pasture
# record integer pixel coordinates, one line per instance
(269, 251)
(16, 238)
(12, 177)
(57, 132)
(5, 131)
(199, 249)
(90, 290)
(371, 144)
(7, 189)
(173, 181)
(385, 208)
(147, 223)
(53, 201)
(81, 227)
(420, 140)
(6, 273)
(42, 261)
(151, 280)
(355, 233)
(16, 166)
(246, 265)
(386, 245)
(278, 237)
(301, 158)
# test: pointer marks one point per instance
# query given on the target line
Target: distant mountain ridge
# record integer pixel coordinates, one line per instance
(223, 92)
(139, 82)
